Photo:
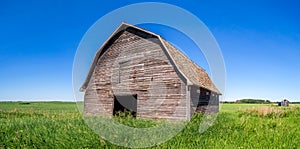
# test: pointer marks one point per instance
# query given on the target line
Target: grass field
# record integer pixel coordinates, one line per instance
(59, 125)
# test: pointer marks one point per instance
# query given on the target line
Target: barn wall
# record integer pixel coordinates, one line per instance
(135, 65)
(92, 103)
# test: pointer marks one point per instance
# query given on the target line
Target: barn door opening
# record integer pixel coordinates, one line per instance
(204, 97)
(126, 104)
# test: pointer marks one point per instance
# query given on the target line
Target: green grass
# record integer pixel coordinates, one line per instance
(231, 108)
(59, 125)
(40, 107)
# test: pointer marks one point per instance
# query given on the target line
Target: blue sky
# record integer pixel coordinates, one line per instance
(260, 42)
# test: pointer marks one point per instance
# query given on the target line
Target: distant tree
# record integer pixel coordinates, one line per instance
(254, 101)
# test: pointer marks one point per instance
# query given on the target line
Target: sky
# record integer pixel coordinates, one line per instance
(259, 40)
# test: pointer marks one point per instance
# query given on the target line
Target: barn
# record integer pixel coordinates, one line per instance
(138, 71)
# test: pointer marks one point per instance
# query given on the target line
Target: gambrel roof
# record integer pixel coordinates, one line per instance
(191, 72)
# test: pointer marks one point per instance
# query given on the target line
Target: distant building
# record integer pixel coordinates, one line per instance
(284, 102)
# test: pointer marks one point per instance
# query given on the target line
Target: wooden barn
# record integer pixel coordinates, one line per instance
(138, 71)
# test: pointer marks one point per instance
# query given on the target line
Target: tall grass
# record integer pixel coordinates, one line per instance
(272, 111)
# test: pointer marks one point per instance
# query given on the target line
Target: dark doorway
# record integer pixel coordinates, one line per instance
(204, 97)
(125, 103)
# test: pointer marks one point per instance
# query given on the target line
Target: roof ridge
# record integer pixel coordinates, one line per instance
(139, 28)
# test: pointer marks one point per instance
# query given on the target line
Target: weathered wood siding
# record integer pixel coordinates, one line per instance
(131, 65)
